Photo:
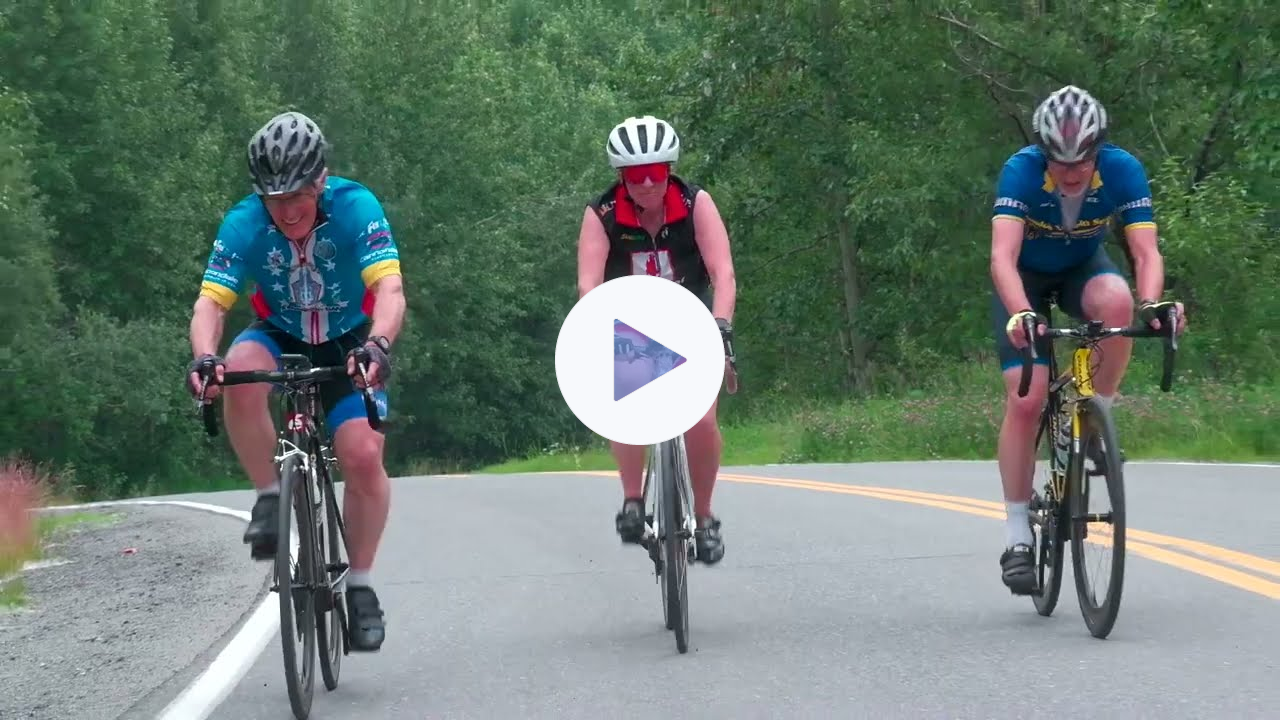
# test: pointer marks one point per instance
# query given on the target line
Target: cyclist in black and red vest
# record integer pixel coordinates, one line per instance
(652, 222)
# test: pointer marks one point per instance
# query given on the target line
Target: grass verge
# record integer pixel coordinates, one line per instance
(1197, 422)
(47, 528)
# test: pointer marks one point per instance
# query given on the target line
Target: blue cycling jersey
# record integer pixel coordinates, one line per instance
(1026, 193)
(315, 289)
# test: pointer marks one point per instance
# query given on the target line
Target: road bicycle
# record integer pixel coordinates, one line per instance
(669, 520)
(1074, 428)
(313, 613)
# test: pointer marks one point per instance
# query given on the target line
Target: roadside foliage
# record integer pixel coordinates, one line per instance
(852, 148)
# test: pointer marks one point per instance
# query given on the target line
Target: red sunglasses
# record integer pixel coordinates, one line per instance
(636, 174)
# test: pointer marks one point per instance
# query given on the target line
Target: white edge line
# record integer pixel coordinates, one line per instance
(198, 700)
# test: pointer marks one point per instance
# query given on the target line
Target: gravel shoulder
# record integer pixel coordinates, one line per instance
(128, 615)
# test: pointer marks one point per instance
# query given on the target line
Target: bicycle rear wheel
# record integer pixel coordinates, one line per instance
(1048, 520)
(331, 615)
(1099, 444)
(297, 600)
(675, 539)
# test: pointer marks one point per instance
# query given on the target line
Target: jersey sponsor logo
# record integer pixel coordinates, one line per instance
(1012, 203)
(657, 264)
(1083, 229)
(385, 253)
(222, 278)
(220, 260)
(377, 234)
(1140, 202)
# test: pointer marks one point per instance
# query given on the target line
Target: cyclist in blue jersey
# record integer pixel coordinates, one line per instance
(1054, 200)
(328, 287)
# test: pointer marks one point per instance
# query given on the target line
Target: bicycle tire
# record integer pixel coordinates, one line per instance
(658, 544)
(1052, 532)
(1096, 422)
(293, 499)
(331, 636)
(677, 558)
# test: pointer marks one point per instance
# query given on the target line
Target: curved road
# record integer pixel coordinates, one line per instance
(840, 595)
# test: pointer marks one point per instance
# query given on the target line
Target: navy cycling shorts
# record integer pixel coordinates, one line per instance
(1066, 289)
(340, 399)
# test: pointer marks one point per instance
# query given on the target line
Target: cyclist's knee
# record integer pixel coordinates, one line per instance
(1027, 407)
(250, 355)
(244, 356)
(358, 448)
(1106, 297)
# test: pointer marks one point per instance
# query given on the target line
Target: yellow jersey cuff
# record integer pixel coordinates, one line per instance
(379, 270)
(220, 294)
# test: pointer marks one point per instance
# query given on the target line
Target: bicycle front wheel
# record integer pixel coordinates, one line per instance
(675, 543)
(655, 516)
(331, 615)
(1099, 448)
(294, 583)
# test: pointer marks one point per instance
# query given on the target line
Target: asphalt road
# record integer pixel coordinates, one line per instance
(510, 597)
(123, 618)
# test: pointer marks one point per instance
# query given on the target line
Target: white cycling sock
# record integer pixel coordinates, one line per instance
(1017, 527)
(360, 579)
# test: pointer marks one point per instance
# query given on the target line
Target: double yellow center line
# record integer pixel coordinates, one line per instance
(1219, 563)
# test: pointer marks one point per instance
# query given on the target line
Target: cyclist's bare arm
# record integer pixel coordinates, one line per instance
(1148, 265)
(388, 307)
(1006, 243)
(713, 245)
(208, 318)
(593, 251)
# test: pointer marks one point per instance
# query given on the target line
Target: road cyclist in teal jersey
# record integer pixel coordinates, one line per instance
(328, 288)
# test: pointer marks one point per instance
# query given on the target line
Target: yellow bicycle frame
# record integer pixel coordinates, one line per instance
(1082, 381)
(1082, 375)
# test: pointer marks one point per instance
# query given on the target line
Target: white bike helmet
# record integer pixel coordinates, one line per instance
(642, 140)
(1070, 125)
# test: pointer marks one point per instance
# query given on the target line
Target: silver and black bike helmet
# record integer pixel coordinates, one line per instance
(1070, 125)
(286, 154)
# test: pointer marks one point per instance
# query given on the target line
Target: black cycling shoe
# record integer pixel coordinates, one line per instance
(263, 527)
(1018, 569)
(629, 522)
(366, 626)
(709, 544)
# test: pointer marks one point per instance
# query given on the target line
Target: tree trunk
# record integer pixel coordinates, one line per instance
(858, 372)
